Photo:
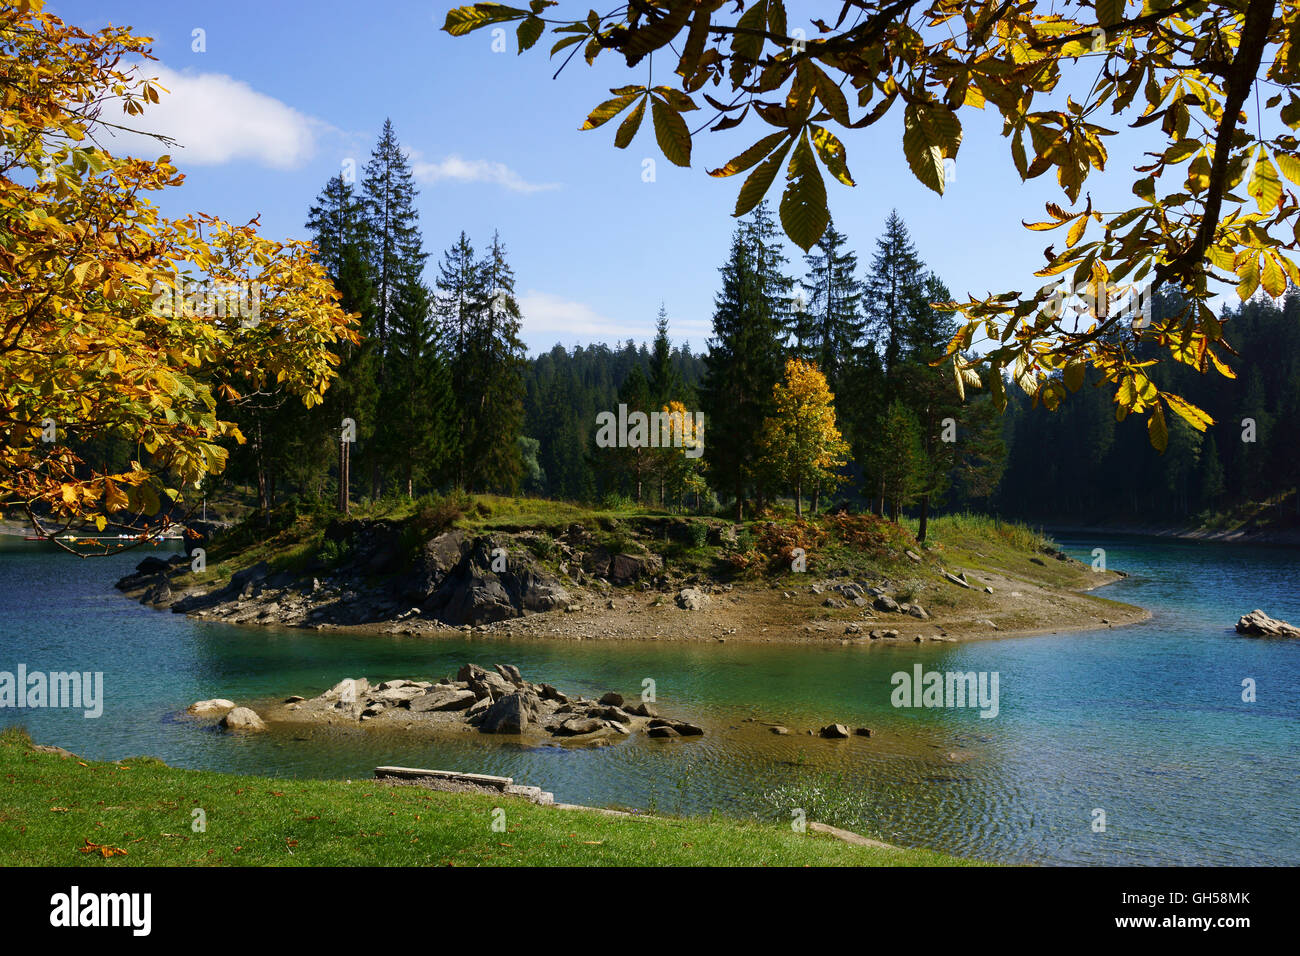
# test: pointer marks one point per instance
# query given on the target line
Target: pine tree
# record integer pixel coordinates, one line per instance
(480, 321)
(417, 416)
(665, 383)
(744, 358)
(395, 246)
(831, 327)
(893, 290)
(461, 298)
(340, 229)
(396, 260)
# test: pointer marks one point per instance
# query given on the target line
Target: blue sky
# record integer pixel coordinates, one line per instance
(286, 92)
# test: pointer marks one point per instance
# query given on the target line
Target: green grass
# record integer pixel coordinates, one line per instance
(52, 807)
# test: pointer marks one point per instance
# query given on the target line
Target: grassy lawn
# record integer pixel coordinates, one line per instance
(52, 807)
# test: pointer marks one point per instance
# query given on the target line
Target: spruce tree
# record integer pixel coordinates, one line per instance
(893, 290)
(832, 324)
(339, 226)
(665, 383)
(744, 360)
(397, 259)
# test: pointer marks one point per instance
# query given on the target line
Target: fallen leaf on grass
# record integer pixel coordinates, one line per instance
(103, 850)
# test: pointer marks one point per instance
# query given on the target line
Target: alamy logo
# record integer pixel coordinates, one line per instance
(77, 690)
(654, 430)
(235, 300)
(73, 909)
(950, 689)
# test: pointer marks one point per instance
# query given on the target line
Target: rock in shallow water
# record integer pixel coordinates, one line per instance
(244, 720)
(1259, 624)
(204, 708)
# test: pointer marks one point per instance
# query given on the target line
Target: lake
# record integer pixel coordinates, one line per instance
(1146, 723)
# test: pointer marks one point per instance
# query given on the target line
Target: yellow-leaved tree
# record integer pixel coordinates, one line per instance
(800, 444)
(117, 323)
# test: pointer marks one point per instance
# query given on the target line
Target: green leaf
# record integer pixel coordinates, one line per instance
(803, 205)
(1265, 186)
(607, 110)
(671, 132)
(1157, 430)
(831, 150)
(1289, 163)
(750, 156)
(1073, 375)
(463, 20)
(529, 31)
(757, 183)
(1110, 12)
(931, 133)
(627, 129)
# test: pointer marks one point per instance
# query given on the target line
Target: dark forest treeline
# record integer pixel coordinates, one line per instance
(444, 397)
(1081, 462)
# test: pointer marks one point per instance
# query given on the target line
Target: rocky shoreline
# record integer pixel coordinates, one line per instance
(477, 700)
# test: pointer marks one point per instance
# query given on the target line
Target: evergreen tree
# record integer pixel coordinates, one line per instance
(832, 326)
(395, 247)
(339, 227)
(893, 290)
(396, 261)
(744, 359)
(665, 384)
(480, 320)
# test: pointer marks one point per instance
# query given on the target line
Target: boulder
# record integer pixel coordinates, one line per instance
(470, 671)
(885, 603)
(490, 685)
(576, 726)
(1259, 624)
(244, 720)
(348, 691)
(961, 582)
(443, 697)
(663, 730)
(626, 568)
(834, 732)
(151, 565)
(205, 708)
(692, 599)
(612, 699)
(780, 731)
(511, 673)
(159, 593)
(510, 714)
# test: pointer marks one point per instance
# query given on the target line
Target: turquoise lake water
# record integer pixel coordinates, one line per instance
(1145, 722)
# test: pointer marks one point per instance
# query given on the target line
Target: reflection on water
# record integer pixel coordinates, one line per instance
(1146, 723)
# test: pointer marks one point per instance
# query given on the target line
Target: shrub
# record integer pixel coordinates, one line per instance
(699, 534)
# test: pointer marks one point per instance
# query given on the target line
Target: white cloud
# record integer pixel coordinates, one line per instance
(216, 119)
(548, 318)
(461, 170)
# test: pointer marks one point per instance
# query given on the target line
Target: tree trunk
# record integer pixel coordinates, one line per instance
(262, 501)
(925, 518)
(798, 498)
